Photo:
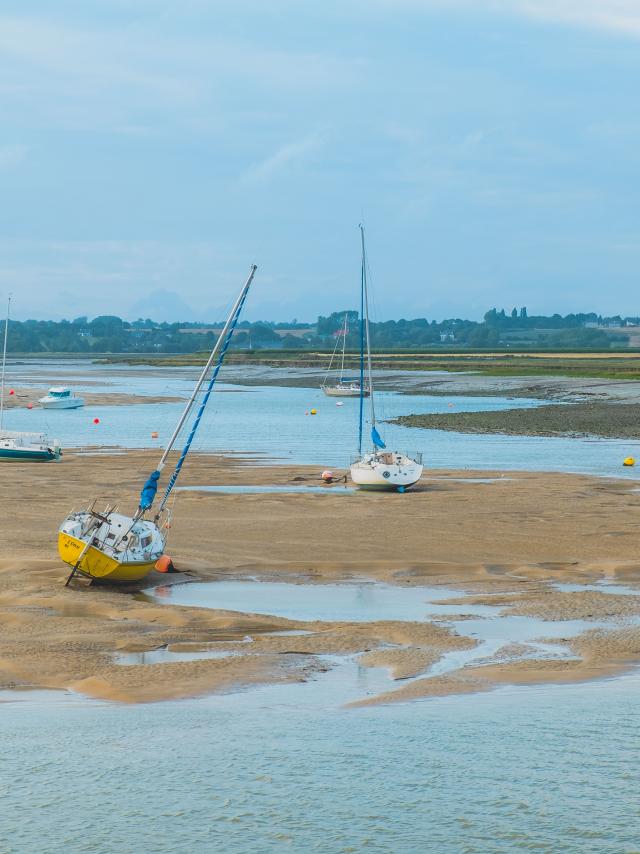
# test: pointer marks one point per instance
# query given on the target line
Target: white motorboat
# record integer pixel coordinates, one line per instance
(378, 468)
(61, 397)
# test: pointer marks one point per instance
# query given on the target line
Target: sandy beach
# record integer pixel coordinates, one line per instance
(504, 539)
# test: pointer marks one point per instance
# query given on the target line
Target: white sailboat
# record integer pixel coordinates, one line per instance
(116, 547)
(18, 445)
(345, 387)
(378, 468)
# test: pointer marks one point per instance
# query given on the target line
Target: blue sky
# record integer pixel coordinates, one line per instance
(150, 150)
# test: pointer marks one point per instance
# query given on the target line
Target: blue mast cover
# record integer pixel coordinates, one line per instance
(149, 490)
(377, 439)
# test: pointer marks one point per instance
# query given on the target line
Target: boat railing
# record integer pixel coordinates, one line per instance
(416, 456)
(19, 434)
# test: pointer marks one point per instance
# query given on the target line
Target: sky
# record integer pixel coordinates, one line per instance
(151, 150)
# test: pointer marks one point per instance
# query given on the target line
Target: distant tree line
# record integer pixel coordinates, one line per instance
(111, 334)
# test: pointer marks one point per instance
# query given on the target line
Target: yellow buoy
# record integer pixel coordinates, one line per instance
(630, 461)
(314, 411)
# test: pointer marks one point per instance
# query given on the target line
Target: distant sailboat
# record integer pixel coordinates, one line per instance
(346, 386)
(379, 468)
(17, 445)
(118, 548)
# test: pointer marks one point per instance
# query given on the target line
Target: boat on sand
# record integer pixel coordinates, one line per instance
(378, 468)
(115, 547)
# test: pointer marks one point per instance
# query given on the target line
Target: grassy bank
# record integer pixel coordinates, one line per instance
(609, 365)
(597, 418)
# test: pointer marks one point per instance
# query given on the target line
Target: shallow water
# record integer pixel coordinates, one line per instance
(362, 602)
(271, 422)
(285, 768)
(260, 490)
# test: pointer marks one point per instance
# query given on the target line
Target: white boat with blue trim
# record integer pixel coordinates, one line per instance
(61, 397)
(378, 468)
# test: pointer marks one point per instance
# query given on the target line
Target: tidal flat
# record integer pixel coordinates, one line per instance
(474, 548)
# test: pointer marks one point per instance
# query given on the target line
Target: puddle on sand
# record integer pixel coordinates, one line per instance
(598, 587)
(162, 655)
(487, 625)
(360, 602)
(262, 490)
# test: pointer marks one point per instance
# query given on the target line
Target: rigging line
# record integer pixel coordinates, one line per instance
(205, 400)
(344, 343)
(232, 320)
(324, 381)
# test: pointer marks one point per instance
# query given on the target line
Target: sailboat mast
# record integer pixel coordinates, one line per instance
(4, 361)
(362, 333)
(219, 343)
(365, 296)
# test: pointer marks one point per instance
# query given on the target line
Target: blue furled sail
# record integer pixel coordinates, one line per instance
(149, 490)
(376, 438)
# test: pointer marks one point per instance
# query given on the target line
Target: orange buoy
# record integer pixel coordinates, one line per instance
(165, 564)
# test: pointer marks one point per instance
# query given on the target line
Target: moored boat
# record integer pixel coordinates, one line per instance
(61, 397)
(378, 468)
(18, 445)
(115, 547)
(346, 386)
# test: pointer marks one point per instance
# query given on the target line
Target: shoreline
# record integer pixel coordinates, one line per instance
(512, 537)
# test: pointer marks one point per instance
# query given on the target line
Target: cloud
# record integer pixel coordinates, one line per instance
(282, 159)
(621, 16)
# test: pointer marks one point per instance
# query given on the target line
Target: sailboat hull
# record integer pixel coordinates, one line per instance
(37, 455)
(97, 564)
(343, 391)
(387, 471)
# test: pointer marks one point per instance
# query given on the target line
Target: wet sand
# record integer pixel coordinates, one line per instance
(505, 541)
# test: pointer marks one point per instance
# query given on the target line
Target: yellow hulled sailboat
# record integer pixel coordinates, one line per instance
(111, 546)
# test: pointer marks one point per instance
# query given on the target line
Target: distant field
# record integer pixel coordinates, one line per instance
(606, 365)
